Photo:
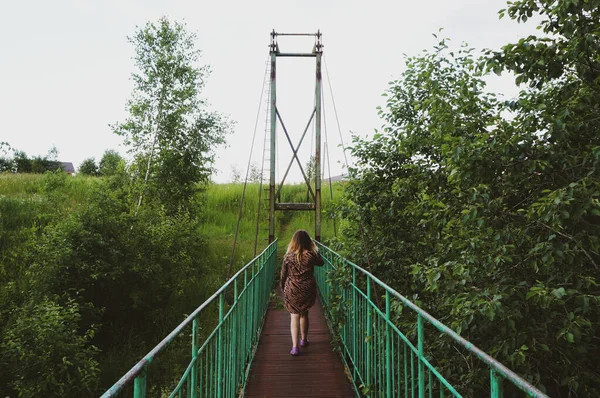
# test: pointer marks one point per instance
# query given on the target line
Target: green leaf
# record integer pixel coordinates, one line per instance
(559, 293)
(570, 337)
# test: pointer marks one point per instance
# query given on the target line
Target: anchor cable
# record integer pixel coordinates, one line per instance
(328, 161)
(237, 226)
(360, 225)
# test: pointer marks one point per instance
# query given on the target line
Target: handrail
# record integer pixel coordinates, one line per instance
(253, 300)
(365, 344)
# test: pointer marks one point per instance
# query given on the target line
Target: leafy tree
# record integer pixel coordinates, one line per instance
(22, 164)
(110, 163)
(5, 148)
(124, 271)
(311, 169)
(41, 164)
(255, 173)
(6, 163)
(89, 167)
(236, 175)
(38, 164)
(486, 211)
(49, 356)
(171, 133)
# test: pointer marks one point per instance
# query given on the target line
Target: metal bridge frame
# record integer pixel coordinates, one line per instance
(274, 195)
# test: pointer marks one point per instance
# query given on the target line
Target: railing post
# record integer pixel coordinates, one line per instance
(346, 327)
(421, 365)
(195, 346)
(139, 384)
(369, 337)
(234, 354)
(244, 324)
(496, 384)
(354, 320)
(388, 347)
(220, 347)
(254, 301)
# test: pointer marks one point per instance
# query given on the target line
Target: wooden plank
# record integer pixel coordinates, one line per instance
(317, 372)
(294, 206)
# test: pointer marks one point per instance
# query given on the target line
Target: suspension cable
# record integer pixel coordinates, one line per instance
(336, 114)
(328, 159)
(360, 225)
(237, 226)
(262, 169)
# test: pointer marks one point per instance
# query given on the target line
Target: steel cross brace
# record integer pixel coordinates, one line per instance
(295, 151)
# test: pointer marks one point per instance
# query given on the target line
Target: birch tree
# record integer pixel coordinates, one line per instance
(170, 131)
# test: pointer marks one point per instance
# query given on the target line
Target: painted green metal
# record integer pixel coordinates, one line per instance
(139, 384)
(195, 347)
(385, 361)
(220, 360)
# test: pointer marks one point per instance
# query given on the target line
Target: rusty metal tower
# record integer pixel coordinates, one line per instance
(274, 195)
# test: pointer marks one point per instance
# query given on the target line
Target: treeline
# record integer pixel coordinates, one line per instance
(87, 284)
(95, 271)
(486, 212)
(19, 162)
(16, 161)
(107, 166)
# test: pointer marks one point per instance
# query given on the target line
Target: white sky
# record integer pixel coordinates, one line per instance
(65, 65)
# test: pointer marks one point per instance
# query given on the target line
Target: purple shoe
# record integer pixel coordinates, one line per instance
(304, 343)
(295, 351)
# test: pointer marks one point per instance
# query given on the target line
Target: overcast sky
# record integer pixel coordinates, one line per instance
(65, 65)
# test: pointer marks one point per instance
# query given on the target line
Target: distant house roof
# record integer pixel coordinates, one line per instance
(341, 177)
(67, 167)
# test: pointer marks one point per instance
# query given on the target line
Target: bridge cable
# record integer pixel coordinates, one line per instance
(237, 227)
(262, 169)
(336, 113)
(328, 160)
(312, 145)
(361, 228)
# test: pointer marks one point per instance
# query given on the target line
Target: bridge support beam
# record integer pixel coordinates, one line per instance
(318, 144)
(274, 198)
(273, 115)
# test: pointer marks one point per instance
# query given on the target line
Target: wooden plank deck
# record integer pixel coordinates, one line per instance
(317, 372)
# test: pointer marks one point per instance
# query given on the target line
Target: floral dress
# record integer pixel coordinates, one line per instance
(298, 282)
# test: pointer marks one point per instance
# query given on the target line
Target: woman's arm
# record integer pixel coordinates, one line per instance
(284, 274)
(317, 260)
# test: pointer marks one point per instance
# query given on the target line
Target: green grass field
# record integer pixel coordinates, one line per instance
(18, 192)
(222, 209)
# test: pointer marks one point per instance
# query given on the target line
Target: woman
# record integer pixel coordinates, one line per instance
(299, 285)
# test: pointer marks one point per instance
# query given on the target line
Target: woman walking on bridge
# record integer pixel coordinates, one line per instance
(299, 285)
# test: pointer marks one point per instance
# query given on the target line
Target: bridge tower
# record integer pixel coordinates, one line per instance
(274, 192)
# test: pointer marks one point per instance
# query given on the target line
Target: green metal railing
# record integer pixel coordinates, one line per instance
(383, 360)
(220, 362)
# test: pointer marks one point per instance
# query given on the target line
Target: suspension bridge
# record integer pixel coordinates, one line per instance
(360, 345)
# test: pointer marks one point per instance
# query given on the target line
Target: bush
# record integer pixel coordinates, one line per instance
(47, 353)
(89, 168)
(110, 163)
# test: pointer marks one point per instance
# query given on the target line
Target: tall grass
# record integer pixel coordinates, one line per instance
(222, 205)
(220, 212)
(24, 203)
(30, 202)
(23, 186)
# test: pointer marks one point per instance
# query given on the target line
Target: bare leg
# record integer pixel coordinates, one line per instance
(304, 326)
(294, 323)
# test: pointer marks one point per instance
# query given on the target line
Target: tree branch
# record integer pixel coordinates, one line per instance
(572, 239)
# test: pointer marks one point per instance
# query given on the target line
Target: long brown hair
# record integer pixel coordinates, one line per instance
(300, 243)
